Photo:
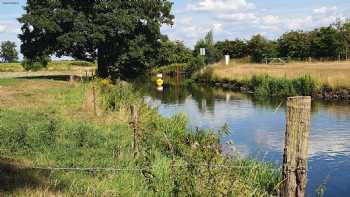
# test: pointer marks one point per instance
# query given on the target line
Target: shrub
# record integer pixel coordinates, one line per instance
(306, 86)
(196, 64)
(35, 64)
(266, 86)
(119, 96)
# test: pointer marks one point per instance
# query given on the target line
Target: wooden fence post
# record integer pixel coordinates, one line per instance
(295, 156)
(135, 122)
(94, 98)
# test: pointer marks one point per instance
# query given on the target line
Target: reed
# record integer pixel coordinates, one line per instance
(332, 74)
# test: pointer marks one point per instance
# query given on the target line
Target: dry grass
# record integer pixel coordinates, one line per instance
(70, 100)
(333, 74)
(52, 66)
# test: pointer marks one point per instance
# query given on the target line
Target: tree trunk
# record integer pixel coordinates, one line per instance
(103, 63)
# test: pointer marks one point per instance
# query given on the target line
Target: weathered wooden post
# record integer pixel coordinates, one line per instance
(296, 147)
(94, 98)
(135, 122)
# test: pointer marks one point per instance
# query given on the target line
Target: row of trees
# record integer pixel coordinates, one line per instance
(8, 52)
(329, 43)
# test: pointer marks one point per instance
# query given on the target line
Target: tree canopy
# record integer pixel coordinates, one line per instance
(8, 52)
(173, 52)
(212, 53)
(123, 36)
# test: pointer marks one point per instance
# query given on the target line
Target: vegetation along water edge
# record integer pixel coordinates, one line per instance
(75, 139)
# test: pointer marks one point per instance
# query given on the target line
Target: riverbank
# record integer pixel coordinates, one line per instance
(319, 80)
(48, 124)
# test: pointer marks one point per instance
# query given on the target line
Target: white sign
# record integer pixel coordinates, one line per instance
(227, 60)
(202, 51)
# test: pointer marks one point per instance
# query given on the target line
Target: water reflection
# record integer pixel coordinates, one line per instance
(257, 128)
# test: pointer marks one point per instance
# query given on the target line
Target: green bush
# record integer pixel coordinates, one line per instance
(196, 64)
(306, 85)
(266, 86)
(119, 96)
(35, 64)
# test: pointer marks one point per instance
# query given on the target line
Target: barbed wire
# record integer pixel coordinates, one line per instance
(116, 169)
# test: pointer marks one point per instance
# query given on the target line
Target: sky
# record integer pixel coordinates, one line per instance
(229, 19)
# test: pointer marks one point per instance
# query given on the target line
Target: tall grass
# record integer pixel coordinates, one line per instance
(332, 74)
(173, 160)
(267, 86)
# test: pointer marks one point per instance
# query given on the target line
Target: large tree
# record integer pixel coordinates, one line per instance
(294, 44)
(325, 42)
(173, 52)
(259, 48)
(8, 52)
(123, 36)
(235, 48)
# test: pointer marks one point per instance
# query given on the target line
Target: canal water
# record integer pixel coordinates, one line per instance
(257, 129)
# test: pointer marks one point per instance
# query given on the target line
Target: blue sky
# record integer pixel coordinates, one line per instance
(229, 19)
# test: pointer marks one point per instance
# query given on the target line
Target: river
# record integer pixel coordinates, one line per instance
(258, 126)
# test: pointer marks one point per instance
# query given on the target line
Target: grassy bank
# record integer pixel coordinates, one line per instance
(52, 66)
(52, 124)
(321, 80)
(332, 74)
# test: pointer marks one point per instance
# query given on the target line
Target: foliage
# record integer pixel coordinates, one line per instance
(8, 52)
(260, 48)
(325, 42)
(196, 64)
(328, 43)
(235, 48)
(122, 35)
(294, 44)
(35, 64)
(174, 160)
(266, 86)
(212, 53)
(170, 69)
(173, 53)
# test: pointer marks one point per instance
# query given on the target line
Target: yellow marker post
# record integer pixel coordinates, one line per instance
(159, 82)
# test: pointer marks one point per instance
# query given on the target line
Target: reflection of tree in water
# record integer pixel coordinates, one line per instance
(279, 103)
(204, 97)
(170, 94)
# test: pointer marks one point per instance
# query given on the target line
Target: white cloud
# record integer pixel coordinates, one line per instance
(217, 27)
(2, 28)
(10, 27)
(270, 20)
(221, 5)
(238, 17)
(325, 10)
(299, 23)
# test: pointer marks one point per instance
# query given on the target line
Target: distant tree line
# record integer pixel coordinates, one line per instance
(325, 43)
